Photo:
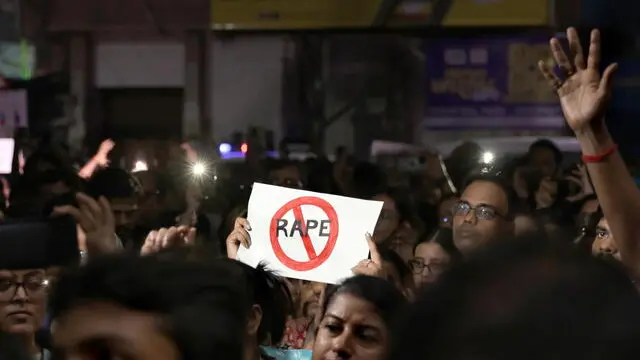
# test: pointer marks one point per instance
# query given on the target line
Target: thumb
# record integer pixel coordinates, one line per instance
(373, 249)
(607, 78)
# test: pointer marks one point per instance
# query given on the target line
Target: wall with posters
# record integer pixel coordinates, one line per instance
(489, 83)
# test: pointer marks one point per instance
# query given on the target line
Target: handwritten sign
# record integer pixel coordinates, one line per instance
(306, 235)
(489, 83)
(13, 111)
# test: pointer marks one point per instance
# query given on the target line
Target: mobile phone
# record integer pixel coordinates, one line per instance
(38, 243)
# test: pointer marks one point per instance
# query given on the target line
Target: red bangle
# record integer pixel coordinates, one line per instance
(599, 157)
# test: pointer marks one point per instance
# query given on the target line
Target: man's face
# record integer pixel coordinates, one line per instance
(287, 176)
(23, 295)
(604, 244)
(124, 210)
(479, 217)
(109, 331)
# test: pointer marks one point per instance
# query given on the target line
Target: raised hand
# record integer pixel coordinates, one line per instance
(373, 266)
(584, 92)
(167, 237)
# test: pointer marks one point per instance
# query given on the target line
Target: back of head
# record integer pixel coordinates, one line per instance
(201, 306)
(113, 183)
(524, 299)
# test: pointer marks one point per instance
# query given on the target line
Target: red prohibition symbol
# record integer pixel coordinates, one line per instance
(315, 260)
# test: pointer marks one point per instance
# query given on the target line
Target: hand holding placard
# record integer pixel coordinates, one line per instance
(373, 266)
(239, 236)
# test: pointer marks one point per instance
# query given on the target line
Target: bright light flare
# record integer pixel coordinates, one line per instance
(224, 148)
(140, 166)
(199, 169)
(487, 158)
(244, 148)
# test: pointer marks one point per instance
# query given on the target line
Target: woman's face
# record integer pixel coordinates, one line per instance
(389, 218)
(23, 296)
(350, 329)
(429, 262)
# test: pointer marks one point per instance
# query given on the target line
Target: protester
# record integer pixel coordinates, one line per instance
(357, 316)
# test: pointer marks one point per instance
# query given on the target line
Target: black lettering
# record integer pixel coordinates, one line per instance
(324, 228)
(311, 224)
(282, 226)
(297, 226)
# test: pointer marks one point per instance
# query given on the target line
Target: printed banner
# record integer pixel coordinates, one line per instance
(477, 83)
(307, 235)
(332, 14)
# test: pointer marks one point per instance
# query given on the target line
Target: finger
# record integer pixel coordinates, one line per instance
(606, 83)
(593, 61)
(91, 205)
(243, 223)
(75, 213)
(190, 238)
(171, 237)
(86, 212)
(373, 249)
(160, 236)
(147, 247)
(105, 211)
(576, 48)
(244, 237)
(560, 57)
(552, 79)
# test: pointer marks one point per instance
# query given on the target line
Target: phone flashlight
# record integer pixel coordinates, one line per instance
(199, 169)
(139, 166)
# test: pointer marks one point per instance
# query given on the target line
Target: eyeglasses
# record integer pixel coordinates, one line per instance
(34, 285)
(418, 265)
(483, 212)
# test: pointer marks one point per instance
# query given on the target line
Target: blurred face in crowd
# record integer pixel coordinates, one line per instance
(350, 329)
(124, 210)
(389, 219)
(22, 299)
(604, 243)
(288, 176)
(445, 212)
(544, 160)
(310, 293)
(429, 262)
(480, 215)
(108, 331)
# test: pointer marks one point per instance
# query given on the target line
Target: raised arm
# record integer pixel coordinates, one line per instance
(583, 95)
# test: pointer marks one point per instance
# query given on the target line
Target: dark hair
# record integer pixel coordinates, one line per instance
(509, 298)
(499, 180)
(392, 257)
(547, 144)
(203, 306)
(385, 298)
(263, 287)
(443, 237)
(268, 290)
(279, 164)
(113, 183)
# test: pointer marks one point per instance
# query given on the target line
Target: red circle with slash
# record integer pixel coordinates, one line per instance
(295, 205)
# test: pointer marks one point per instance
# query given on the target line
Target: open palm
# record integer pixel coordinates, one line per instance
(584, 93)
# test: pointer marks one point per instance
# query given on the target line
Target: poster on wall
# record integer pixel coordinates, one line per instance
(489, 83)
(13, 112)
(335, 14)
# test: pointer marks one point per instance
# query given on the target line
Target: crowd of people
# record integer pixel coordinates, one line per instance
(532, 258)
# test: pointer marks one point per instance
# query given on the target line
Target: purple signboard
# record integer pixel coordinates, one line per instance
(490, 82)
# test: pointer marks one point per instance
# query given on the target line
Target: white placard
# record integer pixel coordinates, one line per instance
(13, 111)
(307, 235)
(7, 147)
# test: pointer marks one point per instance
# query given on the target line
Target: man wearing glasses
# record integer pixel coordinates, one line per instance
(482, 214)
